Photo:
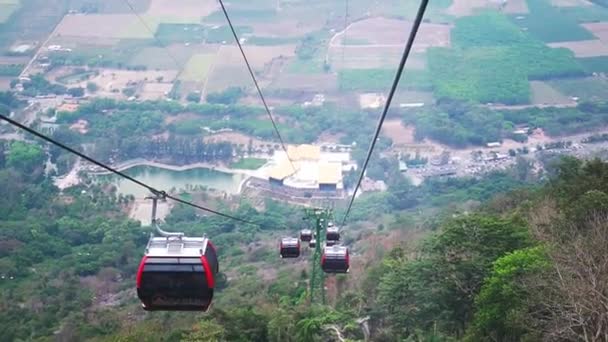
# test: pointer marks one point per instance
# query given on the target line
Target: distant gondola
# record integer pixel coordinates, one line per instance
(312, 243)
(335, 259)
(290, 248)
(177, 274)
(333, 233)
(306, 235)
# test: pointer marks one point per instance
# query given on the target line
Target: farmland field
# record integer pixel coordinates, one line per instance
(594, 64)
(544, 94)
(158, 58)
(600, 30)
(586, 14)
(103, 26)
(382, 31)
(584, 48)
(317, 82)
(197, 68)
(230, 70)
(570, 3)
(7, 7)
(548, 24)
(186, 8)
(461, 8)
(586, 89)
(516, 7)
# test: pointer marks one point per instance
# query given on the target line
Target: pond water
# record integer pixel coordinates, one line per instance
(164, 179)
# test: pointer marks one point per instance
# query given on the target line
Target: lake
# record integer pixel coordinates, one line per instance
(164, 179)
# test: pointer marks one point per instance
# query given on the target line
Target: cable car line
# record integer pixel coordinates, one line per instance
(255, 81)
(389, 99)
(156, 192)
(179, 65)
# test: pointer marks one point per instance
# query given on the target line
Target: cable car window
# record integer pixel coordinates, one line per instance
(173, 268)
(162, 261)
(195, 261)
(171, 288)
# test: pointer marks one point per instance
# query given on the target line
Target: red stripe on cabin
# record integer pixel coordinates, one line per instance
(140, 271)
(208, 274)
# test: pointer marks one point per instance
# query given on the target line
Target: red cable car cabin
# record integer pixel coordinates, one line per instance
(333, 233)
(306, 235)
(335, 259)
(290, 248)
(177, 274)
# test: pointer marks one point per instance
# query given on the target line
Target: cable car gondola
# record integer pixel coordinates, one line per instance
(306, 235)
(312, 243)
(177, 274)
(335, 259)
(331, 243)
(333, 233)
(290, 248)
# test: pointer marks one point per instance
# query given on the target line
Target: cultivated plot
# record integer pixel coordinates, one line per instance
(585, 88)
(103, 26)
(369, 57)
(570, 3)
(383, 32)
(544, 94)
(516, 7)
(183, 8)
(462, 8)
(599, 30)
(305, 82)
(7, 7)
(197, 68)
(584, 48)
(163, 58)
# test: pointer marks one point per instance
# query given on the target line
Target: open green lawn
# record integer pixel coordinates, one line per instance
(197, 68)
(248, 164)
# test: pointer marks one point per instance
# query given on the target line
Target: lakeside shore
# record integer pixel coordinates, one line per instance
(122, 166)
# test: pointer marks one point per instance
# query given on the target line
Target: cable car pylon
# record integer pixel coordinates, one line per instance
(321, 218)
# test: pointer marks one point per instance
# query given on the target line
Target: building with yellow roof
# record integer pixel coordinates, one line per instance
(304, 152)
(307, 170)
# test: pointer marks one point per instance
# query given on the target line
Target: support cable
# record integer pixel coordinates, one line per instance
(389, 99)
(255, 81)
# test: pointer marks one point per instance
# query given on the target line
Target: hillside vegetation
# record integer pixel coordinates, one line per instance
(68, 261)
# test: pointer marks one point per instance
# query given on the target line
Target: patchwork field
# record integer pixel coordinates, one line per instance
(158, 58)
(383, 31)
(7, 7)
(103, 26)
(516, 7)
(186, 8)
(584, 48)
(369, 57)
(5, 83)
(600, 30)
(197, 68)
(155, 91)
(586, 89)
(570, 3)
(462, 8)
(304, 82)
(544, 94)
